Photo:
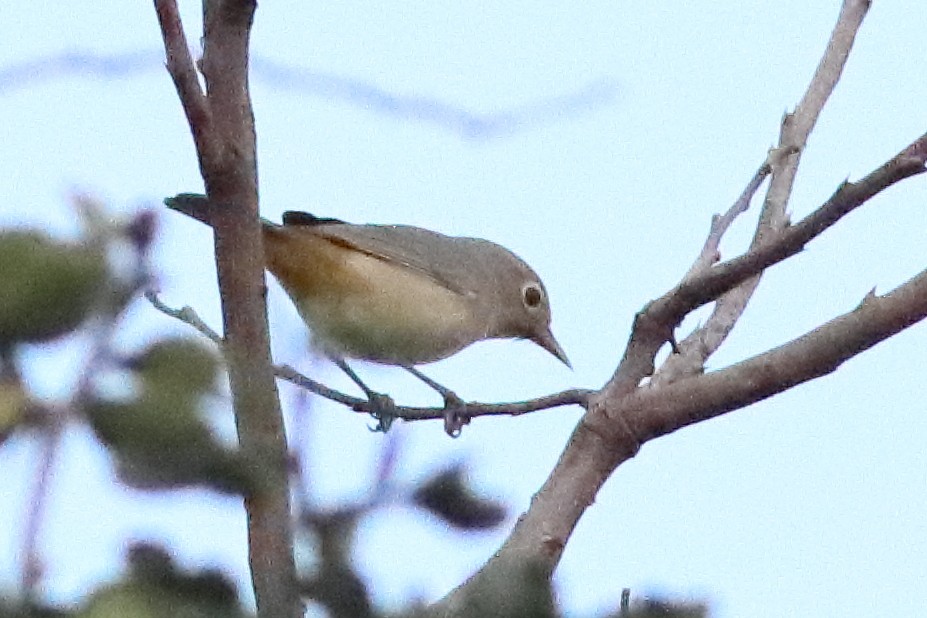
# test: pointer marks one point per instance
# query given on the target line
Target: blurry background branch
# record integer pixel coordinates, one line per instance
(468, 124)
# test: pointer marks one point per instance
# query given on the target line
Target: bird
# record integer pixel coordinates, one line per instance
(398, 294)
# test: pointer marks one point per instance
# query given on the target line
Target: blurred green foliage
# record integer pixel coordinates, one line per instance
(158, 435)
(47, 287)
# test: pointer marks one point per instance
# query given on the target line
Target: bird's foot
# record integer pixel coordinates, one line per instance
(383, 410)
(455, 414)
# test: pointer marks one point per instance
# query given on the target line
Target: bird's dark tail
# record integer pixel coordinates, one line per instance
(193, 205)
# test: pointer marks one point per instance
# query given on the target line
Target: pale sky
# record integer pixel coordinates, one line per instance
(811, 503)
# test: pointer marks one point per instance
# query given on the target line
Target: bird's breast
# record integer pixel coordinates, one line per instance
(365, 307)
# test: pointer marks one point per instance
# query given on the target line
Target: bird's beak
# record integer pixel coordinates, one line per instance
(547, 341)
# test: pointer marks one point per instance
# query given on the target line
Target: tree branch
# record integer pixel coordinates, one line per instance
(702, 342)
(624, 414)
(617, 424)
(183, 73)
(222, 124)
(797, 126)
(782, 163)
(575, 396)
(656, 412)
(655, 323)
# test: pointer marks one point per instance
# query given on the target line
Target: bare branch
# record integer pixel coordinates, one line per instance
(222, 125)
(468, 124)
(470, 410)
(622, 416)
(655, 412)
(828, 72)
(783, 163)
(32, 569)
(656, 322)
(614, 428)
(691, 353)
(789, 241)
(187, 315)
(720, 224)
(797, 126)
(57, 66)
(183, 72)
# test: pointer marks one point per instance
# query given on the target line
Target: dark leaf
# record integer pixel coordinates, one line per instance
(155, 587)
(341, 591)
(448, 496)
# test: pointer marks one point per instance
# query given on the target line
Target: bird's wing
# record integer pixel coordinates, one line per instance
(453, 262)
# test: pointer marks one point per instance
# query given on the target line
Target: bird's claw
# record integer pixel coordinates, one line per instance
(455, 414)
(383, 410)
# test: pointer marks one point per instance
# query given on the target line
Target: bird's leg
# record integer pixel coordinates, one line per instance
(455, 408)
(382, 407)
(450, 397)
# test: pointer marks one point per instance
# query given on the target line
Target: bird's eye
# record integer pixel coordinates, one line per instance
(532, 295)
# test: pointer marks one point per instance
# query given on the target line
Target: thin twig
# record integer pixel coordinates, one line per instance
(185, 314)
(31, 570)
(720, 224)
(797, 126)
(183, 72)
(343, 89)
(792, 239)
(285, 372)
(691, 353)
